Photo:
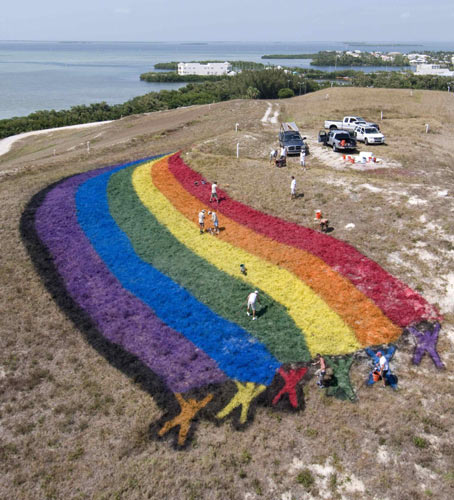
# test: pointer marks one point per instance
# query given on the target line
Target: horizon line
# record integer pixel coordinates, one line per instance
(406, 42)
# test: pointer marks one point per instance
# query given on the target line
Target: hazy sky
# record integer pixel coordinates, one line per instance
(232, 20)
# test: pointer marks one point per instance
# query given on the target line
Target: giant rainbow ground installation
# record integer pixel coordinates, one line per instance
(123, 243)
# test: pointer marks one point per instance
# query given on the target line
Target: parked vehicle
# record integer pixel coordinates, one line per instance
(368, 135)
(290, 138)
(349, 123)
(322, 136)
(340, 140)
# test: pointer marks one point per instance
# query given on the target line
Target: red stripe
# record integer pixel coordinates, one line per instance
(402, 305)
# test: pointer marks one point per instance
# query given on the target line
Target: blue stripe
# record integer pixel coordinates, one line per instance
(241, 356)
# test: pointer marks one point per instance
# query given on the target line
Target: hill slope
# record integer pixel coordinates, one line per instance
(74, 426)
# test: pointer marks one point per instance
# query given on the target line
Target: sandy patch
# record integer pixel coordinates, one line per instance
(337, 161)
(374, 189)
(414, 200)
(347, 483)
(395, 258)
(382, 455)
(447, 301)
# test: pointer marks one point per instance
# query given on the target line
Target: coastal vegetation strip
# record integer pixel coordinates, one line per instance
(288, 56)
(172, 76)
(236, 65)
(347, 58)
(262, 84)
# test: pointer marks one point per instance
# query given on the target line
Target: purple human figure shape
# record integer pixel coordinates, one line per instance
(426, 342)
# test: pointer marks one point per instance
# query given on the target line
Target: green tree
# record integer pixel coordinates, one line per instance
(285, 93)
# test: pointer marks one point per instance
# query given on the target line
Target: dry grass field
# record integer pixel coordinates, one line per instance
(72, 426)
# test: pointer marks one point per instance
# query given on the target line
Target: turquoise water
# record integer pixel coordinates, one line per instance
(58, 75)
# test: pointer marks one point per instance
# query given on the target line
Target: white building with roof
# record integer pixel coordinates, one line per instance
(432, 69)
(194, 68)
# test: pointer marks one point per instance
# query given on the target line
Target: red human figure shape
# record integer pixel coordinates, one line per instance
(291, 379)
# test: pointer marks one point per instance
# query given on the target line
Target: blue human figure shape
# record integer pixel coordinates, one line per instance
(388, 353)
(427, 342)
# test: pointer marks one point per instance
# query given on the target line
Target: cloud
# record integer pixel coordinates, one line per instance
(405, 15)
(122, 10)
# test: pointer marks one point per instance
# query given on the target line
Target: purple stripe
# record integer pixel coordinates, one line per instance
(120, 316)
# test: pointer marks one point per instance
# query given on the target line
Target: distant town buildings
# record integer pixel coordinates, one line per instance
(194, 68)
(432, 69)
(418, 59)
(353, 53)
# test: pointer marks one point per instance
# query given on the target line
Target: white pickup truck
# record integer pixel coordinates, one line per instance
(349, 123)
(368, 135)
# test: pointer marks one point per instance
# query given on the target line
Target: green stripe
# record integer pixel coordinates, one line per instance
(223, 294)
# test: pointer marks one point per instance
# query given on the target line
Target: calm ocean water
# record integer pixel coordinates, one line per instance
(58, 75)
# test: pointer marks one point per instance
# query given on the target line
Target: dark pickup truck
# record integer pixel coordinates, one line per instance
(290, 138)
(339, 140)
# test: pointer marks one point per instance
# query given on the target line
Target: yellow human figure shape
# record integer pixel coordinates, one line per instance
(246, 393)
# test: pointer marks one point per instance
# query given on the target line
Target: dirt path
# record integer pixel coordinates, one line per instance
(6, 144)
(271, 119)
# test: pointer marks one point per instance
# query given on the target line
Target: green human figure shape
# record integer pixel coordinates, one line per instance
(341, 387)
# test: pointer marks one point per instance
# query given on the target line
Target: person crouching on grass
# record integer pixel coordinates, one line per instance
(251, 300)
(322, 221)
(321, 372)
(214, 219)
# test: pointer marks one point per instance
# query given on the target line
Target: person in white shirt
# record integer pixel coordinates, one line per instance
(383, 366)
(293, 188)
(214, 194)
(202, 221)
(214, 219)
(283, 152)
(273, 155)
(251, 300)
(303, 158)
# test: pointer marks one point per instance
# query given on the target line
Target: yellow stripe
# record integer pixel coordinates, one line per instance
(324, 330)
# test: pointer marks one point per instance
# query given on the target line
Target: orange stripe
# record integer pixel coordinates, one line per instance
(368, 322)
